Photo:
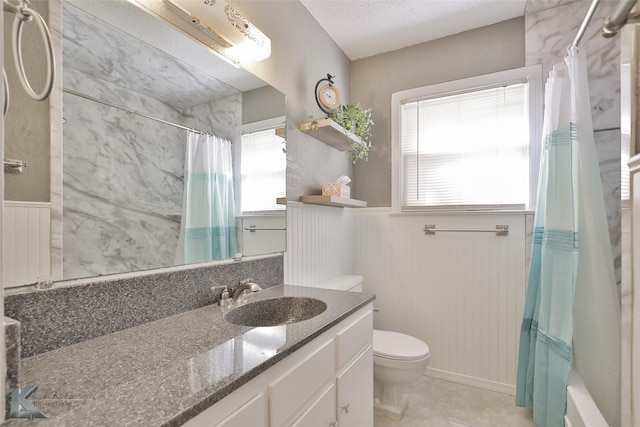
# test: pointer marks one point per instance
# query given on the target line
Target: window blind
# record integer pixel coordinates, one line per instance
(467, 149)
(262, 171)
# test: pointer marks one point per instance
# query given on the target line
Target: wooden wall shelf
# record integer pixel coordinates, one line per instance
(334, 201)
(331, 134)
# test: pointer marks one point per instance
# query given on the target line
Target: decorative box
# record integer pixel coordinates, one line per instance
(336, 189)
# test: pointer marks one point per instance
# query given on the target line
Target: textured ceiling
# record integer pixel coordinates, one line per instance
(365, 28)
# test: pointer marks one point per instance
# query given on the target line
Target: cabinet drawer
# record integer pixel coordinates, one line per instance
(292, 391)
(354, 338)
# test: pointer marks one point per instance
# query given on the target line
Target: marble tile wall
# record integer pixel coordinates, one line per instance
(551, 27)
(123, 192)
(55, 147)
(548, 34)
(122, 181)
(109, 54)
(220, 117)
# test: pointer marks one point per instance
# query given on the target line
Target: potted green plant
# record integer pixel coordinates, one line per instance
(357, 120)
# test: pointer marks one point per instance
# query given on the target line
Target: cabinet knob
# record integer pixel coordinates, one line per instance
(345, 408)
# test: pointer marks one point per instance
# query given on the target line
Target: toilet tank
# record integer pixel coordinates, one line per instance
(343, 283)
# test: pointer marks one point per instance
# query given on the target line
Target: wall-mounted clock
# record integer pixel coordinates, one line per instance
(327, 95)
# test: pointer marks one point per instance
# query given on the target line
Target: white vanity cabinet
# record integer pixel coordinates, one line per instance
(327, 382)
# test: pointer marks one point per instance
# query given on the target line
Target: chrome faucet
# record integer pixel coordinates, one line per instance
(245, 285)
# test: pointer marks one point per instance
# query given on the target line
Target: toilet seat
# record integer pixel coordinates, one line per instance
(398, 346)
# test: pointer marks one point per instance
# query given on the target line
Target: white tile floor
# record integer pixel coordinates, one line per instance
(439, 403)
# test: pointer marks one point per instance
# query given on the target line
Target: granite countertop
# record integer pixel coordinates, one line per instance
(168, 371)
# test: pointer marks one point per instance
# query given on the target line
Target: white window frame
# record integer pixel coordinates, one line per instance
(273, 123)
(532, 75)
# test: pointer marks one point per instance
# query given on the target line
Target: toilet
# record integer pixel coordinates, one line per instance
(398, 359)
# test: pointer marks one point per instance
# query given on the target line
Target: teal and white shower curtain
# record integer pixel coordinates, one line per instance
(571, 255)
(208, 226)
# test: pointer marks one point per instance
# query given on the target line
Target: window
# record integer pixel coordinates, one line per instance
(469, 144)
(263, 166)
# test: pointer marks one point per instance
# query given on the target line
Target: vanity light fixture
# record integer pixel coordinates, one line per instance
(226, 22)
(167, 11)
(217, 24)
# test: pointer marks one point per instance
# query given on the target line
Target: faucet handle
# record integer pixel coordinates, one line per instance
(246, 281)
(224, 300)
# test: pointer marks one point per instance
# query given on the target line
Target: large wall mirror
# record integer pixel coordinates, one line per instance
(133, 85)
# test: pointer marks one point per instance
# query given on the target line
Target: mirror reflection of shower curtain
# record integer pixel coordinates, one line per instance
(207, 229)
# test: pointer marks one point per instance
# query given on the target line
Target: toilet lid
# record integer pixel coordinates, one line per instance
(398, 346)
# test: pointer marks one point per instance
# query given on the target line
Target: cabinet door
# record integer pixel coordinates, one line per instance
(252, 414)
(322, 413)
(289, 394)
(355, 392)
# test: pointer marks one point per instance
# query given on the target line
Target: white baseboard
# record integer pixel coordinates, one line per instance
(473, 381)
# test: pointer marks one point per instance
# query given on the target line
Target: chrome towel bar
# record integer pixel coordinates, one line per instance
(500, 230)
(253, 229)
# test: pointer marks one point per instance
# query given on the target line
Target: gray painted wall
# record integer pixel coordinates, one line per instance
(27, 121)
(302, 53)
(262, 104)
(481, 51)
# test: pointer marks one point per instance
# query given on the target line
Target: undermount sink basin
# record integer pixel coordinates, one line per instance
(276, 311)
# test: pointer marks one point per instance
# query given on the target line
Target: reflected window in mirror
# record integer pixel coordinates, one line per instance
(263, 166)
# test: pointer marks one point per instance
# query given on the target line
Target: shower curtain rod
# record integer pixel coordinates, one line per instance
(585, 22)
(614, 22)
(619, 18)
(91, 98)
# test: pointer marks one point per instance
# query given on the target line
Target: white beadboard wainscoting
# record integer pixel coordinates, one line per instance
(26, 235)
(462, 293)
(320, 243)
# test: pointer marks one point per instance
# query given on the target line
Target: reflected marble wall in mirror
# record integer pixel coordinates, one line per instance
(123, 170)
